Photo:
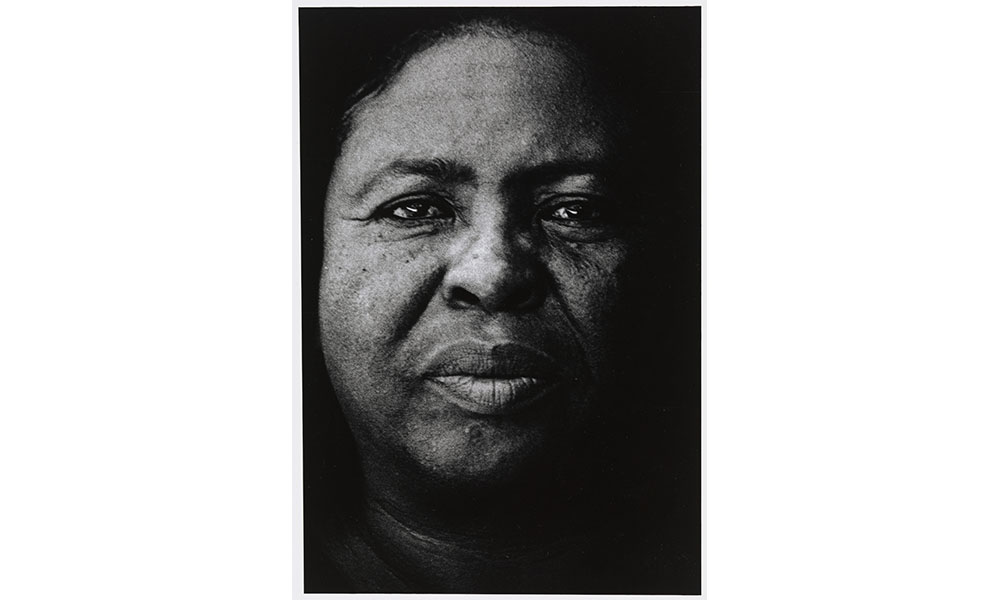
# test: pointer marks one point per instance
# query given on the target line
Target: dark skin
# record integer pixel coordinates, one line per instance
(470, 285)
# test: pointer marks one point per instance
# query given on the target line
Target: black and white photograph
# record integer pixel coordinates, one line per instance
(501, 307)
(499, 299)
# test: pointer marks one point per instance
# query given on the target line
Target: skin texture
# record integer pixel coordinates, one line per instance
(471, 204)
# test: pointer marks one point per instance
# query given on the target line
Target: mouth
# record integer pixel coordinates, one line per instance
(490, 379)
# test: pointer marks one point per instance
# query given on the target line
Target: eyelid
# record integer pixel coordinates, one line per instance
(587, 225)
(386, 209)
(557, 198)
(580, 184)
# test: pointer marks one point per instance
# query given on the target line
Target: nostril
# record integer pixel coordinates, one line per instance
(462, 296)
(494, 275)
(522, 297)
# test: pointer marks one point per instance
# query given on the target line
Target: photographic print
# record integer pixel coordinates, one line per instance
(501, 306)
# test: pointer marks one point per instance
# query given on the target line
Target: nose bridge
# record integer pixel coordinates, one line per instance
(493, 266)
(492, 244)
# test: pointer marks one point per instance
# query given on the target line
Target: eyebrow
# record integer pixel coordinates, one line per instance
(441, 171)
(449, 172)
(552, 171)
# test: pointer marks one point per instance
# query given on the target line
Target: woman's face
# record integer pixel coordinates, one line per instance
(472, 262)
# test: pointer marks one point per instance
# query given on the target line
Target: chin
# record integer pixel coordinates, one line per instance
(481, 455)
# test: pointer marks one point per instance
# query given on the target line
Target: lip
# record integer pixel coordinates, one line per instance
(491, 379)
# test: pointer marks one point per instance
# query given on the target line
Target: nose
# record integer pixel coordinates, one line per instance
(494, 269)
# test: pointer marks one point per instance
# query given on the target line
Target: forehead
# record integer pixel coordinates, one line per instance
(488, 101)
(491, 63)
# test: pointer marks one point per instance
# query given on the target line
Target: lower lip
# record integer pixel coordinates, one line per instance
(490, 395)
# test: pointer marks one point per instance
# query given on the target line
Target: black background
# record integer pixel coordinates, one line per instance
(656, 51)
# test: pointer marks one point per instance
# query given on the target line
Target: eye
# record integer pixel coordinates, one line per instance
(417, 209)
(577, 211)
(574, 212)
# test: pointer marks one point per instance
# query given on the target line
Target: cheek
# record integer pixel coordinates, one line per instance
(371, 294)
(368, 290)
(588, 279)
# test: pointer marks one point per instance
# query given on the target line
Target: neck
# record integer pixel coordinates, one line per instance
(506, 554)
(526, 537)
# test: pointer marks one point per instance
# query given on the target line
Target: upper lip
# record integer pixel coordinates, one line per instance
(501, 360)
